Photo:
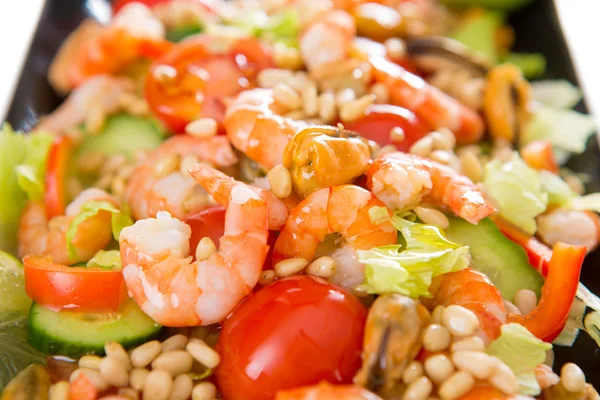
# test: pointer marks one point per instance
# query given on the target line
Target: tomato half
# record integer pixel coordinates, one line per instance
(208, 222)
(57, 286)
(56, 172)
(379, 120)
(294, 332)
(190, 81)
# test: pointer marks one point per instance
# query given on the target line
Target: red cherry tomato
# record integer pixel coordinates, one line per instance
(118, 4)
(194, 80)
(294, 332)
(56, 171)
(208, 222)
(381, 118)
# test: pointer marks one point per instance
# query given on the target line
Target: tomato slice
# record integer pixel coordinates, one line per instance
(294, 332)
(208, 222)
(190, 81)
(57, 286)
(379, 120)
(56, 171)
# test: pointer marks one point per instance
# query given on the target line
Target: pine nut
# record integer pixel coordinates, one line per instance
(511, 308)
(327, 108)
(443, 139)
(138, 378)
(158, 385)
(113, 163)
(299, 81)
(478, 364)
(204, 391)
(187, 163)
(412, 372)
(92, 375)
(310, 101)
(206, 248)
(432, 216)
(266, 277)
(344, 96)
(471, 166)
(572, 377)
(388, 148)
(280, 181)
(89, 361)
(525, 300)
(460, 321)
(438, 367)
(203, 353)
(397, 134)
(355, 109)
(420, 389)
(166, 165)
(175, 342)
(297, 115)
(422, 147)
(504, 380)
(175, 362)
(381, 93)
(202, 128)
(268, 78)
(182, 387)
(441, 156)
(436, 315)
(286, 57)
(436, 338)
(395, 48)
(471, 343)
(459, 384)
(286, 96)
(59, 391)
(114, 372)
(143, 355)
(323, 267)
(129, 393)
(289, 267)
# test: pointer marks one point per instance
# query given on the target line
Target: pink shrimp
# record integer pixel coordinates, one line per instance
(473, 290)
(431, 105)
(403, 180)
(327, 391)
(343, 210)
(37, 236)
(254, 125)
(154, 187)
(173, 289)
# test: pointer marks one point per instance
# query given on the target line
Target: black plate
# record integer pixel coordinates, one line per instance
(537, 29)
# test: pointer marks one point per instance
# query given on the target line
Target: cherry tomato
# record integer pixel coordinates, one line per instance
(190, 81)
(208, 222)
(56, 171)
(82, 389)
(87, 289)
(294, 332)
(381, 118)
(118, 4)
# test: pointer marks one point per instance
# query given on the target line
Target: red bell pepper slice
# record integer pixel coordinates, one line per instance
(539, 155)
(56, 172)
(547, 320)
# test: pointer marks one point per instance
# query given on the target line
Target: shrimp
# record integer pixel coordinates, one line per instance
(254, 125)
(327, 391)
(431, 105)
(154, 187)
(403, 180)
(174, 290)
(327, 40)
(37, 236)
(219, 186)
(101, 92)
(341, 209)
(473, 290)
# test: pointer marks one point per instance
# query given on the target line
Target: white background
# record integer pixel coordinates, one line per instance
(580, 18)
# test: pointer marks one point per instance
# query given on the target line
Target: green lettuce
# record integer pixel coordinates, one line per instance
(409, 268)
(517, 190)
(532, 65)
(558, 93)
(119, 220)
(106, 259)
(559, 192)
(479, 34)
(283, 27)
(521, 351)
(22, 167)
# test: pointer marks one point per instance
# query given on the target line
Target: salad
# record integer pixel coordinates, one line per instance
(297, 200)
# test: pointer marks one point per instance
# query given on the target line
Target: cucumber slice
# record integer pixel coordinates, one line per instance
(12, 285)
(502, 260)
(74, 333)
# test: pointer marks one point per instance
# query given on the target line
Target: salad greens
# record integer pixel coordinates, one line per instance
(517, 189)
(521, 352)
(282, 27)
(22, 166)
(558, 93)
(409, 267)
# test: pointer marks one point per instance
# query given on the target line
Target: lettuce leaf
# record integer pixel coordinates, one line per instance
(22, 168)
(409, 268)
(119, 220)
(557, 93)
(521, 351)
(532, 65)
(478, 33)
(559, 192)
(517, 190)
